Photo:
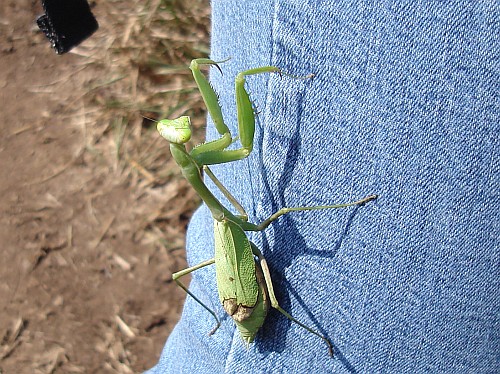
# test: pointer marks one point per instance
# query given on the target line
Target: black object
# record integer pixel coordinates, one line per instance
(66, 23)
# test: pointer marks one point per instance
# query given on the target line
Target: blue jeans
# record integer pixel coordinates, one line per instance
(404, 104)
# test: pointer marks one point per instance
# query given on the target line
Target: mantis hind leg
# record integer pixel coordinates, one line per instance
(189, 270)
(274, 301)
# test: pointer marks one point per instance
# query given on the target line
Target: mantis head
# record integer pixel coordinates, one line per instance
(176, 131)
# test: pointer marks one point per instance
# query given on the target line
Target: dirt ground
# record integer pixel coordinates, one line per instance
(88, 240)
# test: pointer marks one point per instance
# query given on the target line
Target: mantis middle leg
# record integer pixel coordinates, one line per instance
(189, 270)
(248, 226)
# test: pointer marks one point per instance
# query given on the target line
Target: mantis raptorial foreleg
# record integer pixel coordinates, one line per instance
(216, 152)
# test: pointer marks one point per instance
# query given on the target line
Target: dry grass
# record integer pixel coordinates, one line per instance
(143, 49)
(94, 210)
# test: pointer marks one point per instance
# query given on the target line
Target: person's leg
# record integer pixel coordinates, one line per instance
(404, 104)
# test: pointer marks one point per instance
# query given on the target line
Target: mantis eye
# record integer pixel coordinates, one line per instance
(175, 130)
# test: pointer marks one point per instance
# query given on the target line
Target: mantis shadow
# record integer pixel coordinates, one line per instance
(279, 261)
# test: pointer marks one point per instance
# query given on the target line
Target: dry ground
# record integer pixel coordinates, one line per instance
(92, 210)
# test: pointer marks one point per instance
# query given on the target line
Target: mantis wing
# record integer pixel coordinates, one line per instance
(235, 269)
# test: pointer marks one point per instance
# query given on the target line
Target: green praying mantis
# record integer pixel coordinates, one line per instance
(243, 278)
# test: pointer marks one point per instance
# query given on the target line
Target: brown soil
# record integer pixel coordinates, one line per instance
(88, 245)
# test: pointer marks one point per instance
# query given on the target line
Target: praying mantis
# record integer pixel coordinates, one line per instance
(243, 278)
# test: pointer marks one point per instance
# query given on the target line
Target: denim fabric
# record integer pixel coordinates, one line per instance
(404, 104)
